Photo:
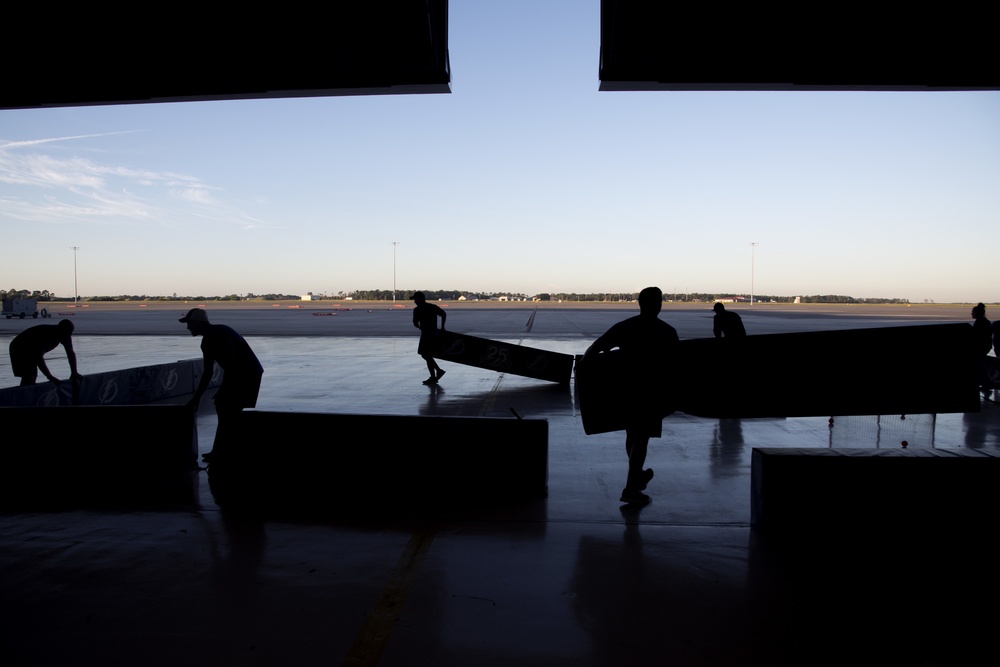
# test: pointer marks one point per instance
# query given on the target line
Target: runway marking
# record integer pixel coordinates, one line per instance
(375, 633)
(491, 399)
(531, 320)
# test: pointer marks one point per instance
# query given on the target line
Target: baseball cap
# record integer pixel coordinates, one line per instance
(194, 315)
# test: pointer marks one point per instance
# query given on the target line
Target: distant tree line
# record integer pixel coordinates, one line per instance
(834, 298)
(816, 298)
(38, 295)
(45, 295)
(599, 296)
(454, 295)
(431, 294)
(174, 297)
(691, 297)
(699, 297)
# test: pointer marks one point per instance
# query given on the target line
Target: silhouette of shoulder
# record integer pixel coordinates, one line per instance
(640, 335)
(230, 349)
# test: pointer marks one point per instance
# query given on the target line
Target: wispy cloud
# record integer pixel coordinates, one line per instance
(47, 186)
(49, 140)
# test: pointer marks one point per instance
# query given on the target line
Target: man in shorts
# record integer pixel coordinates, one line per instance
(648, 346)
(425, 316)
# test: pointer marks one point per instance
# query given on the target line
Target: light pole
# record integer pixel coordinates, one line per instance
(394, 244)
(76, 289)
(753, 245)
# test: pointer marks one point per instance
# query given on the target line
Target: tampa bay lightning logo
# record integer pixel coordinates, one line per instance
(454, 347)
(169, 380)
(108, 392)
(537, 363)
(49, 399)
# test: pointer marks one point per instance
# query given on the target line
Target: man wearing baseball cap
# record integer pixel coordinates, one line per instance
(241, 370)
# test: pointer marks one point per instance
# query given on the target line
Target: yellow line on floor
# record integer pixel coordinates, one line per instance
(377, 629)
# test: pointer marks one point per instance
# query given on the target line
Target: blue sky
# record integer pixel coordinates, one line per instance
(525, 178)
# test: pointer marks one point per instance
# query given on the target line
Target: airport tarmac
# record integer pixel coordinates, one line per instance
(571, 579)
(487, 319)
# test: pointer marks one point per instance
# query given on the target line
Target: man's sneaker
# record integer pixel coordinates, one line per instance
(206, 457)
(647, 475)
(431, 380)
(634, 497)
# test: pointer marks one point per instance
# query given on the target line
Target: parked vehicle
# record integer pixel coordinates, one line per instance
(22, 308)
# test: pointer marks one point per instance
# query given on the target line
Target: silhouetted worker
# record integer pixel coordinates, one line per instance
(982, 337)
(727, 323)
(982, 330)
(28, 349)
(425, 317)
(648, 346)
(241, 370)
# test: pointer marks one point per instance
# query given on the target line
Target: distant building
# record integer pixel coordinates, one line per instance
(308, 296)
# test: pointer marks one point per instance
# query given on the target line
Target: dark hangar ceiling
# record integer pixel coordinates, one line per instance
(92, 55)
(662, 45)
(88, 55)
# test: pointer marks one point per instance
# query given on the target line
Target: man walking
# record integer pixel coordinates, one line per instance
(425, 316)
(648, 346)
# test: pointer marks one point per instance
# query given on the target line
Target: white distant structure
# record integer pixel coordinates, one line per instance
(308, 296)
